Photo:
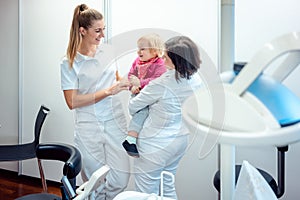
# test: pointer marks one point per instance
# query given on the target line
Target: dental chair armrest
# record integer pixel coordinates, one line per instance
(62, 152)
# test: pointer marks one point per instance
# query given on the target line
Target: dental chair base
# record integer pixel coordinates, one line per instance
(277, 189)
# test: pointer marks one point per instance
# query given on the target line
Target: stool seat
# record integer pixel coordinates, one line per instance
(269, 179)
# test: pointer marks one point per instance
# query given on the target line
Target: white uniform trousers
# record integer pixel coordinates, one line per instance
(100, 143)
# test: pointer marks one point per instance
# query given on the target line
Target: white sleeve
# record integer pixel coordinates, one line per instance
(148, 96)
(69, 78)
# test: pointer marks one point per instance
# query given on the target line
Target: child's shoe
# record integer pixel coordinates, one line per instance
(131, 149)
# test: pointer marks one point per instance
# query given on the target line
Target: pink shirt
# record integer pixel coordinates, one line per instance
(154, 70)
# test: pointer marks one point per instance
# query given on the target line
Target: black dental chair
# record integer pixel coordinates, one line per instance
(16, 152)
(34, 149)
(61, 152)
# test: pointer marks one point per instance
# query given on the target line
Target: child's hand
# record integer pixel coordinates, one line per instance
(135, 90)
(135, 81)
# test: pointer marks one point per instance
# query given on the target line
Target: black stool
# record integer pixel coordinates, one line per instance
(277, 189)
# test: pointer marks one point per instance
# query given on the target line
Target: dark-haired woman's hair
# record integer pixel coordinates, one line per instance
(82, 17)
(185, 55)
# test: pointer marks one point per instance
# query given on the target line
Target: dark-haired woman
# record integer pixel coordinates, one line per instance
(164, 137)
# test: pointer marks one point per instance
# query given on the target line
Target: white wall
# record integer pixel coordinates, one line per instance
(9, 76)
(258, 22)
(196, 19)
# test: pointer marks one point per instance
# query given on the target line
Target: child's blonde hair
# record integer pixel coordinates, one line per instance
(156, 44)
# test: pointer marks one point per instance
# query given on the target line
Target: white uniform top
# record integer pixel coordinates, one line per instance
(164, 96)
(88, 75)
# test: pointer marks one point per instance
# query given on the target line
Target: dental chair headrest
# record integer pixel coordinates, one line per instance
(282, 103)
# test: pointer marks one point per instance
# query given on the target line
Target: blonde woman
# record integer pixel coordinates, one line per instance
(88, 86)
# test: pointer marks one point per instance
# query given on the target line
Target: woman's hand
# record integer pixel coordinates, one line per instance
(118, 87)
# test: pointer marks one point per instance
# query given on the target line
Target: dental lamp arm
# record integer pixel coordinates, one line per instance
(287, 66)
(284, 44)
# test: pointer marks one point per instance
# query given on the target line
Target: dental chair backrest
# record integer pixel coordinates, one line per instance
(254, 100)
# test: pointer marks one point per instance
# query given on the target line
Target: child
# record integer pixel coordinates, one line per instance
(148, 66)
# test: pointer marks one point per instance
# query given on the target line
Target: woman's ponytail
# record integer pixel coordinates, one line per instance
(83, 17)
(75, 37)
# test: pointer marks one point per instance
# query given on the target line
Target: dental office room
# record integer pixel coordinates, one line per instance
(244, 138)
